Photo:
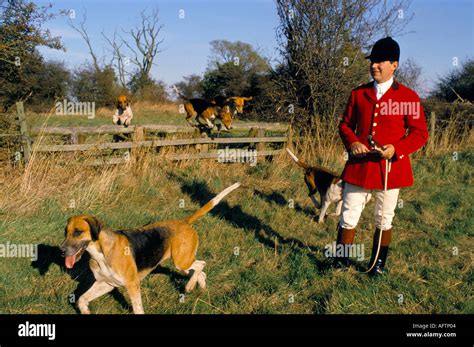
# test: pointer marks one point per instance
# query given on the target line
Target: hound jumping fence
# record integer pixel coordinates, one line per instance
(149, 136)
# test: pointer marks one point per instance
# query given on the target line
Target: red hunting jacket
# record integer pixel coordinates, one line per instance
(398, 119)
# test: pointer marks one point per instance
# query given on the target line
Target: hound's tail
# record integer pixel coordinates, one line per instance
(179, 93)
(210, 205)
(297, 161)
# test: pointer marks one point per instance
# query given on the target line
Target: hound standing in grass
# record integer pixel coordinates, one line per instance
(122, 258)
(376, 113)
(326, 183)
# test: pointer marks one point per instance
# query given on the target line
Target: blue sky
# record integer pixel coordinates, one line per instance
(442, 30)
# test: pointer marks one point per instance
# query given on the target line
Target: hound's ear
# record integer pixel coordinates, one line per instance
(95, 226)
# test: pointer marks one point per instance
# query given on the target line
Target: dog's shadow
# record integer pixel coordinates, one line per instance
(265, 234)
(81, 273)
(280, 200)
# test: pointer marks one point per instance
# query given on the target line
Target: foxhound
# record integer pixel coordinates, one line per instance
(123, 113)
(236, 102)
(124, 257)
(203, 111)
(327, 183)
(226, 117)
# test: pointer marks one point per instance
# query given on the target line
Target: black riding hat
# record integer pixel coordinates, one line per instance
(385, 49)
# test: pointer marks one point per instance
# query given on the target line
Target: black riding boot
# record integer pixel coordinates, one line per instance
(379, 267)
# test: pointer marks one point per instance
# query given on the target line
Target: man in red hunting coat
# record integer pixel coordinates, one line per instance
(391, 114)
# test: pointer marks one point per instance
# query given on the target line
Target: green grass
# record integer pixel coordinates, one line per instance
(280, 267)
(104, 117)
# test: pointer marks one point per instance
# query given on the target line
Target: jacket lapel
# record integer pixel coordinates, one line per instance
(370, 92)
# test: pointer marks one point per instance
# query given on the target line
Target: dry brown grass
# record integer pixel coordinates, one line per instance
(142, 106)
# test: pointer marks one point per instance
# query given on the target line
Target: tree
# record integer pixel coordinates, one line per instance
(146, 42)
(91, 85)
(21, 32)
(322, 44)
(93, 82)
(139, 50)
(409, 74)
(238, 53)
(146, 88)
(457, 85)
(51, 84)
(231, 68)
(228, 79)
(191, 86)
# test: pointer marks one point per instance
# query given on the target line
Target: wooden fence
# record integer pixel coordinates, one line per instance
(76, 138)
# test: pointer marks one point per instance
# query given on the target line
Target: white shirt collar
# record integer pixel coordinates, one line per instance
(381, 88)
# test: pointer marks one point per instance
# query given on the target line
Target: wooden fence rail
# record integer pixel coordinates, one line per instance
(256, 139)
(158, 143)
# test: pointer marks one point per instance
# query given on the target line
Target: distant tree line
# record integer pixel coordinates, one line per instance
(321, 48)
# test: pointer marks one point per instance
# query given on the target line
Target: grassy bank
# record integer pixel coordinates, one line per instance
(263, 248)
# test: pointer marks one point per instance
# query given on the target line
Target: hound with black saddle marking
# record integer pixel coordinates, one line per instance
(327, 183)
(124, 257)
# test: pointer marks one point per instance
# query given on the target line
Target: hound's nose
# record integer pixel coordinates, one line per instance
(63, 249)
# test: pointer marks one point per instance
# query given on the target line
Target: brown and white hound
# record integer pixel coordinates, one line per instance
(327, 183)
(204, 111)
(122, 258)
(236, 102)
(123, 113)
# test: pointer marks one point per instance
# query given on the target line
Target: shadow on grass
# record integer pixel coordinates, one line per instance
(177, 279)
(200, 193)
(81, 273)
(281, 201)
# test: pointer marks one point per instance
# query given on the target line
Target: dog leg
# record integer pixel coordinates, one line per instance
(195, 270)
(202, 280)
(133, 290)
(209, 124)
(338, 209)
(97, 290)
(315, 202)
(326, 204)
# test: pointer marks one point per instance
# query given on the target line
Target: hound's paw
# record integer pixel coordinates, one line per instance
(190, 286)
(83, 307)
(202, 280)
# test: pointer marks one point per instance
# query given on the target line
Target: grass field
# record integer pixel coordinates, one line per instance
(263, 248)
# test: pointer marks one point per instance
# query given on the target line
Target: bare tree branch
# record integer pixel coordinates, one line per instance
(146, 44)
(119, 60)
(323, 44)
(83, 32)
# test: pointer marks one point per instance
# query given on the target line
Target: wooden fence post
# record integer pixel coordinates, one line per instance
(138, 134)
(260, 145)
(25, 136)
(204, 146)
(432, 140)
(253, 132)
